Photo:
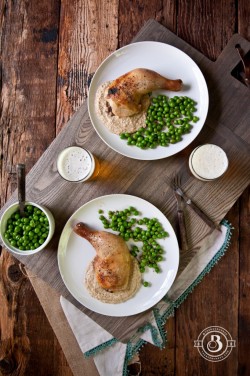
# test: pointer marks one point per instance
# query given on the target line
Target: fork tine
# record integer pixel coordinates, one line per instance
(177, 181)
(173, 181)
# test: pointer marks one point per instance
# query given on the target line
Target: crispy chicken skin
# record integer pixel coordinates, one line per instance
(113, 262)
(128, 94)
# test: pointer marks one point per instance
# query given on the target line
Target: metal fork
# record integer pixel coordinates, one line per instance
(175, 184)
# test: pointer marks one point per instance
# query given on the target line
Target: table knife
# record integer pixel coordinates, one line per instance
(21, 187)
(196, 209)
(246, 64)
(181, 221)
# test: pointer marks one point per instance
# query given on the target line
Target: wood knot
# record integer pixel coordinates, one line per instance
(8, 365)
(14, 273)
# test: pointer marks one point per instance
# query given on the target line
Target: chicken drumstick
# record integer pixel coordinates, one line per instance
(113, 262)
(127, 94)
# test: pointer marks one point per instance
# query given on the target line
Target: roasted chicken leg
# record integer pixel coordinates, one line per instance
(128, 94)
(113, 262)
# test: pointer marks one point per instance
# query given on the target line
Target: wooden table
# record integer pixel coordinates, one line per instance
(50, 51)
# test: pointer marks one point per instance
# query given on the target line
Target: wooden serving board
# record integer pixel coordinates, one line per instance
(227, 125)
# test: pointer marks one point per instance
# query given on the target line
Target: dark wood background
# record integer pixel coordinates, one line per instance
(50, 50)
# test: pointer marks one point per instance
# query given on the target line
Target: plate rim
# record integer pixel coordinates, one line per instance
(59, 255)
(204, 85)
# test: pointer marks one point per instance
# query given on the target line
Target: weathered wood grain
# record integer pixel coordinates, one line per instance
(206, 16)
(211, 304)
(161, 362)
(134, 14)
(78, 364)
(71, 93)
(28, 72)
(51, 192)
(84, 26)
(242, 22)
(244, 283)
(244, 246)
(220, 305)
(48, 187)
(14, 339)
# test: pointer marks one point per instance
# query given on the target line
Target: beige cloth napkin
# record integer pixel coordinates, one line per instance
(111, 357)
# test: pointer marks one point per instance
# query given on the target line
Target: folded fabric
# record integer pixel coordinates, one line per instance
(111, 356)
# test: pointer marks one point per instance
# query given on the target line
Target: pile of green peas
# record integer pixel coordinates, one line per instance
(168, 119)
(144, 230)
(28, 232)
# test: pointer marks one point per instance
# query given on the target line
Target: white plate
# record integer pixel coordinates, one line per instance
(75, 253)
(169, 62)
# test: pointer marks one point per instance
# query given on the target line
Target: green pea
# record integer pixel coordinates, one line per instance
(31, 234)
(127, 226)
(157, 269)
(162, 113)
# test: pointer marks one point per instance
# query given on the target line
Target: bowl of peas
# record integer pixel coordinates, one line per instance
(28, 234)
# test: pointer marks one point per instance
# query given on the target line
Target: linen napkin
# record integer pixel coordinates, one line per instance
(111, 357)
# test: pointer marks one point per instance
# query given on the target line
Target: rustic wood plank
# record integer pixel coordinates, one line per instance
(211, 302)
(161, 362)
(198, 21)
(28, 72)
(47, 187)
(84, 26)
(244, 246)
(133, 15)
(46, 354)
(78, 363)
(244, 283)
(63, 120)
(244, 18)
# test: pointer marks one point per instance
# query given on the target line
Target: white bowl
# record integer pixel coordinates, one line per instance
(3, 224)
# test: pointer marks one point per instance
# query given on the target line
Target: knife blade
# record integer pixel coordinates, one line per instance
(196, 209)
(181, 222)
(21, 187)
(246, 64)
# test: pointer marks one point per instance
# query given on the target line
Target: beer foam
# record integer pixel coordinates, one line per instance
(209, 161)
(75, 164)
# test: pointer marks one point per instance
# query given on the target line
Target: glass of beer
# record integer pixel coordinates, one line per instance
(208, 162)
(76, 164)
